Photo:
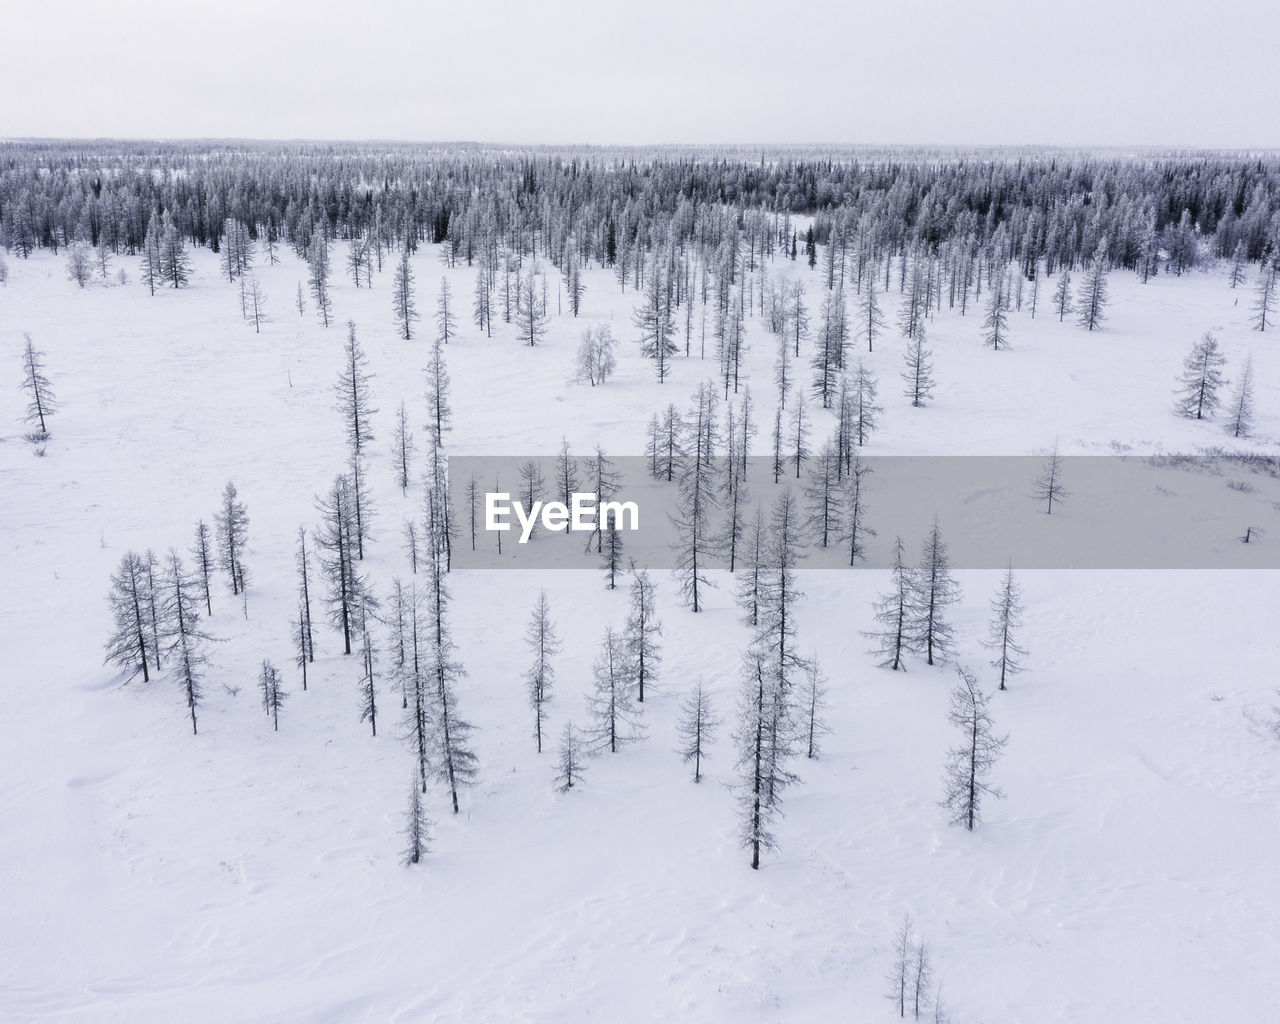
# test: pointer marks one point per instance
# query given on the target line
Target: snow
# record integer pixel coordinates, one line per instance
(243, 874)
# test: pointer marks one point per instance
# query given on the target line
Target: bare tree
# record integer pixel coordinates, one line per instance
(41, 402)
(1201, 379)
(544, 645)
(697, 727)
(273, 696)
(1241, 422)
(1048, 485)
(572, 764)
(969, 763)
(1006, 620)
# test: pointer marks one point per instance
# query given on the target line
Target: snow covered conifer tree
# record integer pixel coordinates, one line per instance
(1264, 305)
(1048, 485)
(183, 639)
(750, 583)
(865, 414)
(1201, 379)
(336, 540)
(318, 274)
(368, 666)
(152, 274)
(1006, 620)
(129, 646)
(273, 696)
(871, 323)
(403, 449)
(615, 715)
(894, 612)
(439, 411)
(354, 394)
(969, 763)
(455, 759)
(1241, 408)
(446, 322)
(1062, 296)
(813, 702)
(572, 764)
(696, 543)
(697, 726)
(403, 305)
(918, 372)
(824, 495)
(544, 645)
(1093, 292)
(855, 532)
(758, 804)
(900, 972)
(531, 317)
(37, 386)
(937, 590)
(202, 552)
(417, 828)
(653, 318)
(232, 524)
(995, 327)
(174, 263)
(642, 630)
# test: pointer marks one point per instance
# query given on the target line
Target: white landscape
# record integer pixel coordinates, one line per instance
(254, 873)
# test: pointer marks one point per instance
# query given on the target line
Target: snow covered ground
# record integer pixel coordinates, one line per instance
(145, 874)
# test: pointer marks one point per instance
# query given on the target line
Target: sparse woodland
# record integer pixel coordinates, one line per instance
(702, 255)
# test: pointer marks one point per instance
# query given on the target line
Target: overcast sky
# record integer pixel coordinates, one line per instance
(1101, 72)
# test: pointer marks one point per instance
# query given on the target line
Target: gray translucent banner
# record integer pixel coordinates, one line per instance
(1109, 512)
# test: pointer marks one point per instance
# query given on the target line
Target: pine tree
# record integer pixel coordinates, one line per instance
(1239, 259)
(615, 715)
(1048, 485)
(653, 318)
(446, 322)
(900, 973)
(273, 697)
(696, 544)
(1201, 379)
(823, 496)
(531, 317)
(1093, 292)
(969, 763)
(152, 274)
(1264, 305)
(937, 590)
(184, 641)
(1006, 620)
(1241, 408)
(894, 612)
(42, 402)
(572, 764)
(202, 553)
(797, 316)
(354, 394)
(174, 263)
(865, 413)
(642, 630)
(455, 760)
(871, 323)
(1062, 296)
(918, 374)
(232, 525)
(757, 789)
(696, 728)
(403, 448)
(923, 979)
(749, 585)
(318, 274)
(830, 353)
(813, 702)
(368, 667)
(482, 307)
(855, 531)
(129, 646)
(439, 411)
(544, 645)
(995, 327)
(336, 540)
(417, 828)
(403, 305)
